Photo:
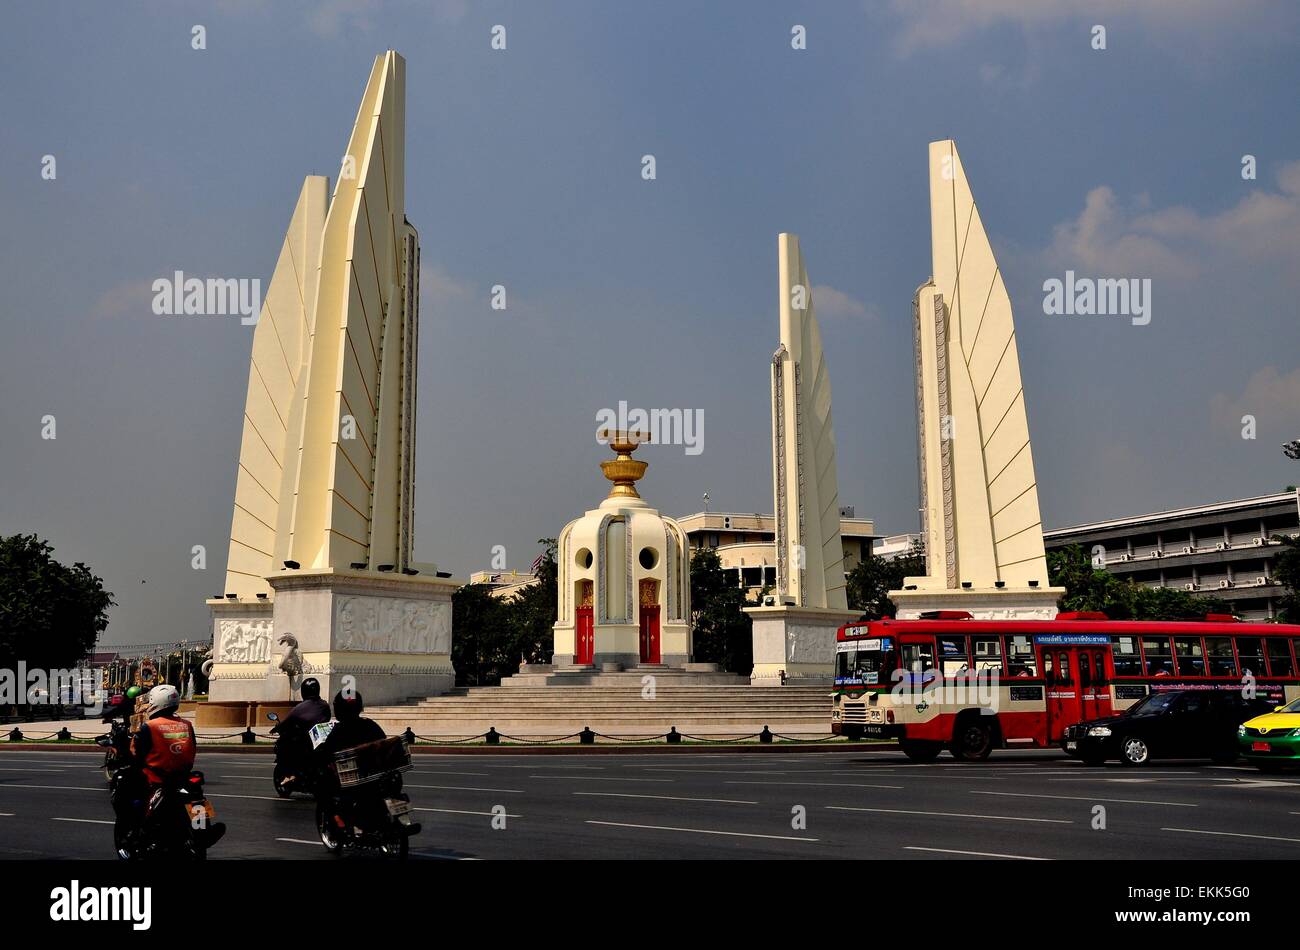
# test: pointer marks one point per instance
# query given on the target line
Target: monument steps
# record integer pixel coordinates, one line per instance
(694, 710)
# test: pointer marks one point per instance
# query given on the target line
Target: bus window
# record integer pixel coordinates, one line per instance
(1049, 669)
(952, 651)
(1099, 668)
(1085, 670)
(1218, 651)
(1124, 653)
(1189, 656)
(1160, 661)
(988, 653)
(1064, 677)
(918, 657)
(1021, 661)
(1279, 657)
(1250, 655)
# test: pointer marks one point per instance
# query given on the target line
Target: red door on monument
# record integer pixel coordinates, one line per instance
(582, 638)
(649, 604)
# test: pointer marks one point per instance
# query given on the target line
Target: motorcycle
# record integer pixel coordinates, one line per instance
(295, 767)
(116, 744)
(364, 807)
(176, 819)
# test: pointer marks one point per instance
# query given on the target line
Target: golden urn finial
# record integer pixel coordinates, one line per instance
(623, 470)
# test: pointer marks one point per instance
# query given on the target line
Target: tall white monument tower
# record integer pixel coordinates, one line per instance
(320, 567)
(794, 637)
(980, 518)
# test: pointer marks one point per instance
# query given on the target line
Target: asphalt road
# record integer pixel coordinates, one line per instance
(1019, 804)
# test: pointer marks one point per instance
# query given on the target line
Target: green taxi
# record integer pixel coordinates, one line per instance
(1272, 740)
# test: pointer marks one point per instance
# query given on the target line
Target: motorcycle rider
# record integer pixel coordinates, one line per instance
(351, 729)
(125, 709)
(162, 751)
(295, 749)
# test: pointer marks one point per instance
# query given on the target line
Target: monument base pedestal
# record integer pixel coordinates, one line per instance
(982, 603)
(795, 644)
(386, 635)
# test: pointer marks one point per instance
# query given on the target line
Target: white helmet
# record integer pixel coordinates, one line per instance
(163, 698)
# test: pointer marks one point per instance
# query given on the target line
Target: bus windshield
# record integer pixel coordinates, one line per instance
(864, 661)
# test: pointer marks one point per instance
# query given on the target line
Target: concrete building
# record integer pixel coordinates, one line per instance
(1223, 550)
(503, 584)
(746, 543)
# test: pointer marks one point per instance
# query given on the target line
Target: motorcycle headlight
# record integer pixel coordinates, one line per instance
(1100, 731)
(1241, 730)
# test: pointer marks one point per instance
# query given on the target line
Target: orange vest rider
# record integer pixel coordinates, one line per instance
(165, 748)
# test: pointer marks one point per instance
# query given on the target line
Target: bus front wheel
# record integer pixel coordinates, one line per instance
(972, 740)
(919, 751)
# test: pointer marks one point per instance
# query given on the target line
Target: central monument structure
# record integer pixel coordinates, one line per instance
(979, 495)
(320, 578)
(794, 635)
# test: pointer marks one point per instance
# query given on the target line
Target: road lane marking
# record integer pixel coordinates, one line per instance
(667, 798)
(1232, 834)
(978, 854)
(85, 821)
(461, 811)
(70, 788)
(951, 814)
(661, 768)
(819, 784)
(606, 778)
(1088, 798)
(301, 841)
(467, 788)
(256, 798)
(701, 831)
(33, 770)
(447, 772)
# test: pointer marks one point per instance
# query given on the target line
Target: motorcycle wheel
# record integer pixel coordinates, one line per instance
(122, 844)
(277, 777)
(396, 846)
(330, 836)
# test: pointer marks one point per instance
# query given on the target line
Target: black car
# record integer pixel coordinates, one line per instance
(1178, 723)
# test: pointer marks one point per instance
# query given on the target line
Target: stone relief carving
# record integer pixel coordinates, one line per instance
(245, 641)
(810, 644)
(391, 625)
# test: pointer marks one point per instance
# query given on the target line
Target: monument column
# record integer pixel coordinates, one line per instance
(794, 636)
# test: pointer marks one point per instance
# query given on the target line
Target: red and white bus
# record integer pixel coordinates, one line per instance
(970, 686)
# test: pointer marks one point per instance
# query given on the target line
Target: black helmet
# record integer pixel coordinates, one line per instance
(310, 688)
(348, 705)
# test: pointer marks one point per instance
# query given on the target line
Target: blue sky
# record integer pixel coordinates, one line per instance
(523, 169)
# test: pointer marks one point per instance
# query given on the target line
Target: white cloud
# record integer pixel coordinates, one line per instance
(937, 24)
(1271, 397)
(836, 303)
(1108, 238)
(125, 299)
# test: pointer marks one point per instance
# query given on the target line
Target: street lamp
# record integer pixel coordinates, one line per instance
(1292, 449)
(706, 500)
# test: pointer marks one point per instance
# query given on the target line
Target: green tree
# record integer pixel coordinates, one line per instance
(1090, 588)
(722, 630)
(50, 614)
(1286, 570)
(481, 641)
(871, 580)
(534, 610)
(492, 634)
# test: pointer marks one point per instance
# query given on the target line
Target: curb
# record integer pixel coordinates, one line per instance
(662, 748)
